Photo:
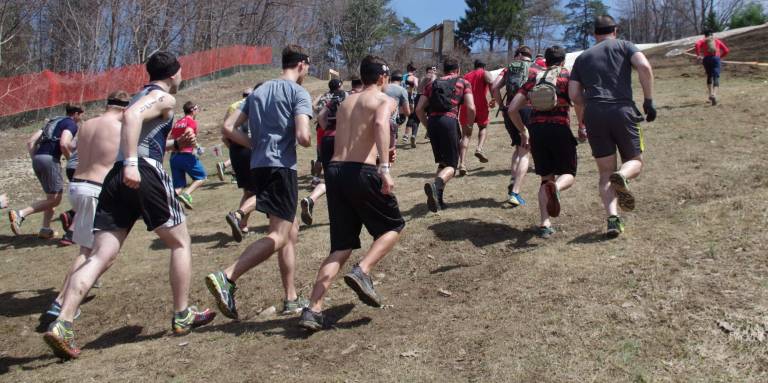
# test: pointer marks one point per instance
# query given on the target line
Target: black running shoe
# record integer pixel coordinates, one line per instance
(234, 224)
(311, 320)
(307, 206)
(431, 191)
(361, 283)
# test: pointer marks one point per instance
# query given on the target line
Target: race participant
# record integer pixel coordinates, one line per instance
(480, 79)
(360, 193)
(99, 139)
(137, 186)
(240, 158)
(411, 84)
(512, 78)
(334, 87)
(183, 160)
(400, 96)
(443, 96)
(709, 51)
(66, 218)
(540, 61)
(278, 115)
(46, 147)
(610, 114)
(549, 134)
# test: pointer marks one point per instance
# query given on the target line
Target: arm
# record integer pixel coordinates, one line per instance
(723, 49)
(303, 134)
(152, 105)
(469, 102)
(698, 46)
(576, 94)
(236, 118)
(518, 102)
(496, 90)
(381, 136)
(65, 143)
(644, 72)
(31, 143)
(405, 107)
(322, 118)
(421, 110)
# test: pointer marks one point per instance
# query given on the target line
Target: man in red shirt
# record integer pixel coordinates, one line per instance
(444, 96)
(480, 80)
(183, 160)
(709, 51)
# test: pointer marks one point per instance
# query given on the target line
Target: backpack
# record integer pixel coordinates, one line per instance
(333, 107)
(517, 75)
(543, 96)
(49, 129)
(440, 101)
(712, 46)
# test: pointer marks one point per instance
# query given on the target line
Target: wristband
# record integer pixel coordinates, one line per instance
(384, 168)
(131, 161)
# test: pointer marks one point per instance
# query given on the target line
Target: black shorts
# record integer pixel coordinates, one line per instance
(444, 135)
(154, 201)
(277, 192)
(612, 126)
(326, 150)
(240, 156)
(553, 148)
(413, 119)
(355, 200)
(70, 174)
(514, 134)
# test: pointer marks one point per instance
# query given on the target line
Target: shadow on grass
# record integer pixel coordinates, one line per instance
(592, 237)
(421, 209)
(13, 306)
(7, 362)
(444, 269)
(122, 335)
(682, 106)
(481, 233)
(24, 241)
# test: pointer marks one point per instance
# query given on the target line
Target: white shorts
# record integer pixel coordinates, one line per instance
(84, 197)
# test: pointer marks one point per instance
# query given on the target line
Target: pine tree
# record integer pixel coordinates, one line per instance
(580, 22)
(491, 21)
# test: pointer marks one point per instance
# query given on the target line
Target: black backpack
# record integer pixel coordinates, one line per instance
(443, 93)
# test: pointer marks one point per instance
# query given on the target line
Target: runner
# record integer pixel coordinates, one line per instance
(183, 160)
(431, 75)
(400, 96)
(550, 139)
(512, 78)
(46, 147)
(240, 157)
(444, 96)
(709, 51)
(540, 61)
(360, 193)
(480, 79)
(610, 114)
(66, 218)
(334, 87)
(411, 84)
(137, 186)
(278, 115)
(99, 139)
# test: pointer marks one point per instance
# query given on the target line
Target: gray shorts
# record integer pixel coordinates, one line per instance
(614, 126)
(48, 172)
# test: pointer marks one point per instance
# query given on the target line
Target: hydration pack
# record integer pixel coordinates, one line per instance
(49, 129)
(712, 46)
(443, 93)
(517, 75)
(333, 106)
(543, 96)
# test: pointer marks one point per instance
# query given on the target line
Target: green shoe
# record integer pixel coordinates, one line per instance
(186, 199)
(615, 226)
(295, 306)
(621, 187)
(61, 339)
(223, 290)
(183, 322)
(546, 231)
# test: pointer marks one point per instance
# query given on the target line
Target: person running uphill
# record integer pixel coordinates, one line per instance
(444, 96)
(601, 82)
(183, 160)
(278, 114)
(549, 134)
(360, 192)
(710, 51)
(480, 80)
(411, 84)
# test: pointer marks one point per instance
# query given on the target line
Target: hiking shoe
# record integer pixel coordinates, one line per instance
(234, 224)
(615, 226)
(16, 220)
(713, 100)
(553, 198)
(307, 206)
(621, 187)
(481, 156)
(405, 139)
(311, 320)
(462, 170)
(295, 306)
(361, 283)
(431, 191)
(66, 239)
(220, 171)
(46, 233)
(183, 322)
(413, 142)
(545, 232)
(515, 199)
(66, 219)
(186, 199)
(223, 290)
(61, 339)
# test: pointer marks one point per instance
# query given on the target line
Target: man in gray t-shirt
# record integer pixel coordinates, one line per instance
(278, 115)
(395, 91)
(601, 83)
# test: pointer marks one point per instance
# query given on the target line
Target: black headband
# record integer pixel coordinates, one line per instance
(116, 102)
(605, 30)
(382, 70)
(169, 71)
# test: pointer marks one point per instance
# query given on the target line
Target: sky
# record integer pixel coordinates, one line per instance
(426, 13)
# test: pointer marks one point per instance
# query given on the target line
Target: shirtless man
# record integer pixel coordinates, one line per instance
(137, 186)
(359, 192)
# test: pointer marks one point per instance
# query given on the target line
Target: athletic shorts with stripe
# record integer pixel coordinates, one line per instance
(444, 136)
(84, 198)
(614, 126)
(154, 201)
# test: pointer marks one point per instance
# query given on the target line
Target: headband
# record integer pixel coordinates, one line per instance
(167, 72)
(116, 102)
(605, 30)
(383, 70)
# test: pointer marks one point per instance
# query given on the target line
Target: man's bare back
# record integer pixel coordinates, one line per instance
(97, 144)
(359, 118)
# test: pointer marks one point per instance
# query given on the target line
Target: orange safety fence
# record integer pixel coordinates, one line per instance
(47, 89)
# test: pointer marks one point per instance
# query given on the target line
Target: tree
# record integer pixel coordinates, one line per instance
(580, 22)
(748, 15)
(365, 24)
(492, 21)
(711, 23)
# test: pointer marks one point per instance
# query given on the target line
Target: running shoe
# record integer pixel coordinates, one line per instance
(223, 290)
(515, 199)
(413, 142)
(220, 171)
(405, 139)
(186, 199)
(431, 191)
(546, 231)
(615, 226)
(621, 187)
(311, 320)
(307, 206)
(66, 239)
(183, 322)
(61, 339)
(361, 284)
(462, 170)
(16, 220)
(234, 224)
(481, 156)
(553, 198)
(713, 100)
(66, 219)
(46, 233)
(315, 181)
(295, 306)
(51, 315)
